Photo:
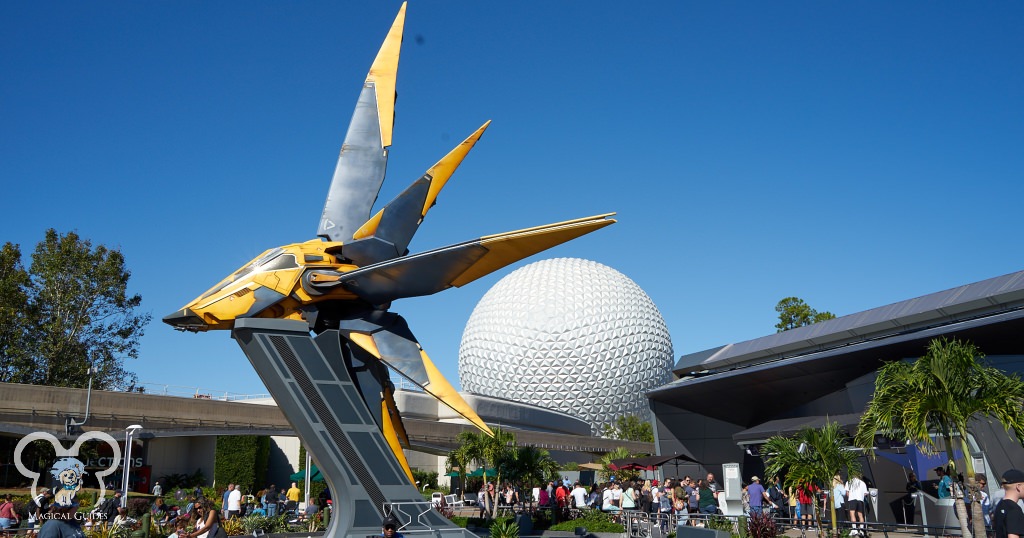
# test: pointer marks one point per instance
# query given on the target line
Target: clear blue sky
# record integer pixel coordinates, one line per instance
(853, 154)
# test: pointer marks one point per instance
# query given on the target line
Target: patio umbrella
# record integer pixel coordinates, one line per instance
(649, 463)
(630, 464)
(315, 477)
(480, 472)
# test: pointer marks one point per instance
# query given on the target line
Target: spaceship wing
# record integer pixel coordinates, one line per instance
(387, 234)
(456, 265)
(387, 336)
(364, 156)
(394, 431)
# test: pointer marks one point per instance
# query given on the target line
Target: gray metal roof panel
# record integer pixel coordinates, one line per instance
(943, 306)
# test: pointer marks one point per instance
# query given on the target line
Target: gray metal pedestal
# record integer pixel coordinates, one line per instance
(322, 391)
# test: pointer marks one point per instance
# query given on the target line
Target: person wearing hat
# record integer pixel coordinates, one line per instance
(945, 483)
(1008, 521)
(389, 528)
(757, 495)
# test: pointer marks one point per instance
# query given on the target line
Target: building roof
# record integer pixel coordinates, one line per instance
(732, 382)
(980, 299)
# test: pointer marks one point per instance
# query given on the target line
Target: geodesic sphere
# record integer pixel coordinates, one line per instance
(571, 335)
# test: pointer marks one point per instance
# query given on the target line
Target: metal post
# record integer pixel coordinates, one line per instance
(918, 495)
(129, 434)
(309, 473)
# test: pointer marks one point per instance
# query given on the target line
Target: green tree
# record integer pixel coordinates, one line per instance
(621, 475)
(812, 456)
(14, 286)
(794, 312)
(939, 394)
(458, 461)
(629, 428)
(531, 466)
(499, 452)
(73, 312)
(486, 452)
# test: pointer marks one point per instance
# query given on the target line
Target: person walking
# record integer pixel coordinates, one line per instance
(8, 516)
(235, 502)
(224, 501)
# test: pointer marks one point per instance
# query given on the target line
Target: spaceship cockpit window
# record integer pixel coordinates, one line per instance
(284, 261)
(273, 260)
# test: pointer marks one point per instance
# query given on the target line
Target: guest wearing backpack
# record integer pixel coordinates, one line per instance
(39, 506)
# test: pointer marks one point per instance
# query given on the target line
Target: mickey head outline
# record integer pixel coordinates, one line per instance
(61, 452)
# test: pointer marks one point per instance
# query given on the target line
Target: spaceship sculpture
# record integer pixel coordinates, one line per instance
(341, 286)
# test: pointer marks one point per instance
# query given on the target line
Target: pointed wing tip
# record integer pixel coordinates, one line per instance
(473, 138)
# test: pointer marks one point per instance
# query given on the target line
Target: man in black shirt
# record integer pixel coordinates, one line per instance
(1009, 519)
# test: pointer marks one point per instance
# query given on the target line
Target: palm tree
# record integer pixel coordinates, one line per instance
(621, 474)
(498, 451)
(458, 458)
(814, 455)
(940, 393)
(486, 452)
(531, 466)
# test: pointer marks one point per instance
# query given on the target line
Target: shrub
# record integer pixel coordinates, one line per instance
(233, 527)
(254, 522)
(426, 479)
(504, 528)
(211, 493)
(762, 526)
(173, 481)
(593, 520)
(720, 523)
(137, 507)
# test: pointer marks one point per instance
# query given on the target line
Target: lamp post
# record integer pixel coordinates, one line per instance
(70, 424)
(129, 434)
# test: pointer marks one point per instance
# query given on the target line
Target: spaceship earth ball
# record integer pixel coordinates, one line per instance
(571, 335)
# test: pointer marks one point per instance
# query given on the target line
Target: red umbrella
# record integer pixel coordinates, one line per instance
(630, 464)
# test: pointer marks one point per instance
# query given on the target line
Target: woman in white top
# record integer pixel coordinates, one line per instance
(856, 490)
(629, 497)
(208, 523)
(121, 519)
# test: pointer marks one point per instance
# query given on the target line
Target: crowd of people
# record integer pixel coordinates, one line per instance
(679, 497)
(802, 503)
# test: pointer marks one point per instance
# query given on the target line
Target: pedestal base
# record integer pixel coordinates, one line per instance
(322, 394)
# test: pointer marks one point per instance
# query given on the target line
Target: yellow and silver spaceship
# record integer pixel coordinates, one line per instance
(347, 277)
